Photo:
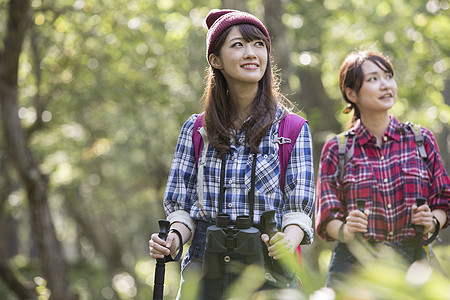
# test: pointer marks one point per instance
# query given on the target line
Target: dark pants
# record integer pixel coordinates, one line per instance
(343, 262)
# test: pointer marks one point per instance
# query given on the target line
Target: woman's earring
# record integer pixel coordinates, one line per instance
(348, 108)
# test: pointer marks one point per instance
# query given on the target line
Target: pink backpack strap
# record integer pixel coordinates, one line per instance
(298, 252)
(288, 131)
(197, 137)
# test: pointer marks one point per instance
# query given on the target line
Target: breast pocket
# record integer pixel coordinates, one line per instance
(358, 182)
(416, 181)
(266, 174)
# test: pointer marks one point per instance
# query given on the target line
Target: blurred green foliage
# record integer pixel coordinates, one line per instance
(113, 81)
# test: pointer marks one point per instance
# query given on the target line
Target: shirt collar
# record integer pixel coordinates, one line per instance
(278, 114)
(365, 136)
(393, 129)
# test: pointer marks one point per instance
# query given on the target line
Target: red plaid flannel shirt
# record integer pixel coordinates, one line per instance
(389, 178)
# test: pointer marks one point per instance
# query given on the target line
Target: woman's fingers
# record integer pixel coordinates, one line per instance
(357, 221)
(279, 246)
(422, 216)
(158, 247)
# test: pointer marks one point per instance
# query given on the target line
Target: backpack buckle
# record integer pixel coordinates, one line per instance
(282, 140)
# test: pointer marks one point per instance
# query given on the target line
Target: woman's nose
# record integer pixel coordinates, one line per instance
(249, 51)
(386, 83)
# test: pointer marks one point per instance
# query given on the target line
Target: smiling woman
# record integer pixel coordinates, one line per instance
(388, 166)
(238, 177)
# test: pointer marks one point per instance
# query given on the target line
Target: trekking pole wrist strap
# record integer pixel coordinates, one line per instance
(180, 250)
(341, 233)
(435, 233)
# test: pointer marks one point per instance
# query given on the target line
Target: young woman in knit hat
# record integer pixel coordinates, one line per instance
(243, 109)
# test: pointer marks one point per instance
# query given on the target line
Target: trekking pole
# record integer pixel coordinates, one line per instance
(361, 249)
(160, 268)
(360, 204)
(418, 238)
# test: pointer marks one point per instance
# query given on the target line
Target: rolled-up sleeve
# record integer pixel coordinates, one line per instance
(440, 182)
(181, 191)
(328, 205)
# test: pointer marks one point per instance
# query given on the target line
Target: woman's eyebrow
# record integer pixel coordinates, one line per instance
(371, 73)
(237, 38)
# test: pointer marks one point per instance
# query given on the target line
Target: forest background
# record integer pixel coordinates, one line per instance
(93, 95)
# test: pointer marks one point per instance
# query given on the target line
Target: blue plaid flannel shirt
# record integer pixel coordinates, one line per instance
(295, 206)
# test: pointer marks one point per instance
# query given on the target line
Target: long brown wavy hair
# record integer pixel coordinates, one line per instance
(219, 109)
(351, 75)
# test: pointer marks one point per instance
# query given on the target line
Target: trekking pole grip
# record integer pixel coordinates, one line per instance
(163, 229)
(361, 203)
(418, 238)
(278, 271)
(270, 225)
(419, 228)
(160, 268)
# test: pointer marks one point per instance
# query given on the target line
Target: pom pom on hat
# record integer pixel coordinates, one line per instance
(214, 14)
(219, 20)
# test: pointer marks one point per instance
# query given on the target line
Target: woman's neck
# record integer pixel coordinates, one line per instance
(377, 124)
(242, 99)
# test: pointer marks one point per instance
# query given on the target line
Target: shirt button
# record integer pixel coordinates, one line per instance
(391, 233)
(385, 138)
(230, 181)
(230, 204)
(385, 180)
(382, 157)
(389, 205)
(241, 140)
(265, 155)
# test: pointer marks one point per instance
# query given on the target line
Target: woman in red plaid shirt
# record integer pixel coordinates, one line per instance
(385, 170)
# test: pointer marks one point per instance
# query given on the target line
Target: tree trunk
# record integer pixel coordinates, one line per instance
(22, 289)
(19, 286)
(273, 12)
(105, 243)
(443, 140)
(234, 4)
(52, 261)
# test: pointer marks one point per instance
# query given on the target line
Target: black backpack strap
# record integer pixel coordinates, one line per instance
(418, 138)
(251, 193)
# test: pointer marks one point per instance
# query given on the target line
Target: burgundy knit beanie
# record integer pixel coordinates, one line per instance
(219, 20)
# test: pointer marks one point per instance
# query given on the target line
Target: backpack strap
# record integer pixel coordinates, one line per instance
(343, 155)
(288, 131)
(201, 166)
(200, 138)
(201, 143)
(197, 137)
(418, 138)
